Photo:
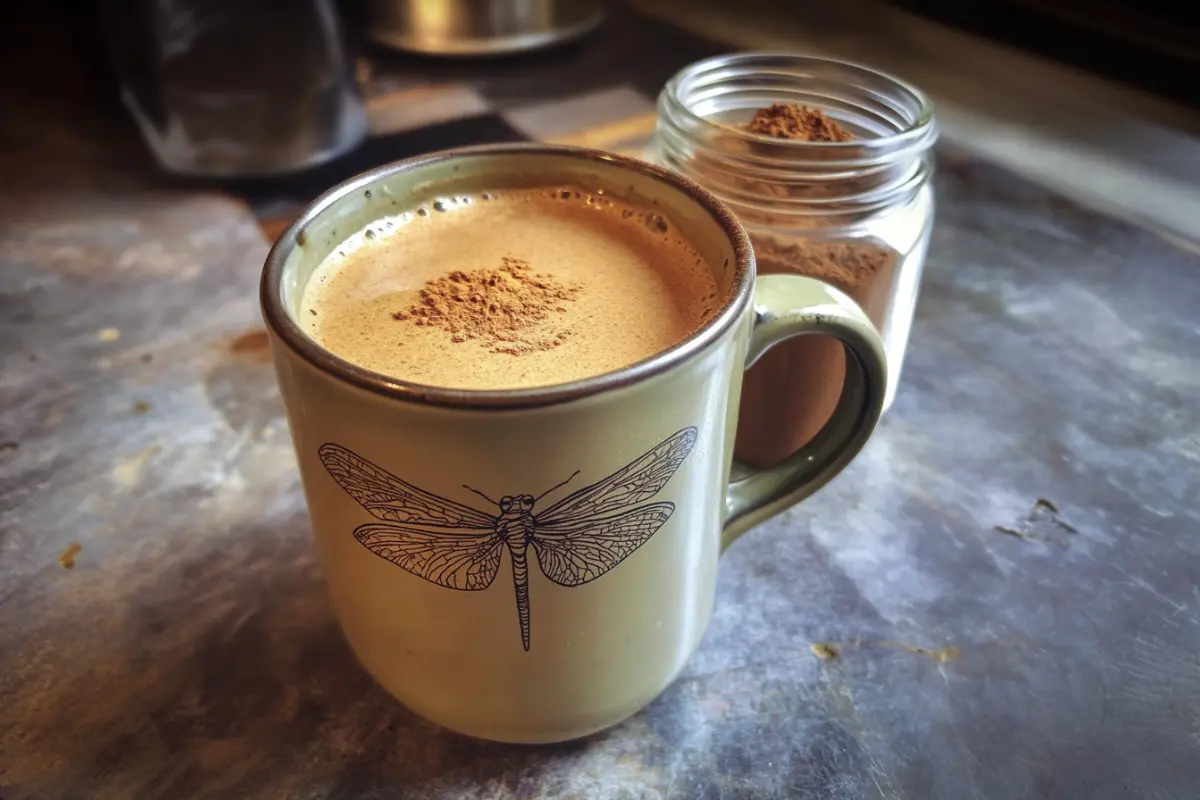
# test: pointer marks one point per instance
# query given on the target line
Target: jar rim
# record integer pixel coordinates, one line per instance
(921, 131)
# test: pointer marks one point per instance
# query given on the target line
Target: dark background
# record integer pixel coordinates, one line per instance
(1153, 44)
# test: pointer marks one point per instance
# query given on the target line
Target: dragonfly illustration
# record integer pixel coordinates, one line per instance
(576, 540)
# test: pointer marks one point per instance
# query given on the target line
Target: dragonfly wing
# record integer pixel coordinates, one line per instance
(638, 480)
(450, 558)
(387, 497)
(574, 555)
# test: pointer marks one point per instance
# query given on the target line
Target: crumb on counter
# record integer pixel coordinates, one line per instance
(824, 651)
(67, 559)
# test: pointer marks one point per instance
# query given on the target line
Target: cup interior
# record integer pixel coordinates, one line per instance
(447, 177)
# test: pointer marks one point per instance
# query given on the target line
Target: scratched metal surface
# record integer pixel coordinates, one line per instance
(1009, 573)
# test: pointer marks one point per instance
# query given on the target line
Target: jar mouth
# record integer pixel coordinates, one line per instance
(889, 118)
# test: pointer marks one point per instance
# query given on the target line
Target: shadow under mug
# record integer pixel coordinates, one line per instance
(542, 619)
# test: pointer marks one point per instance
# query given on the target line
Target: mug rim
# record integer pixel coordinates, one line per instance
(289, 333)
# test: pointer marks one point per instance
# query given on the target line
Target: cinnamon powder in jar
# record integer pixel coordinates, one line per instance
(800, 123)
(790, 393)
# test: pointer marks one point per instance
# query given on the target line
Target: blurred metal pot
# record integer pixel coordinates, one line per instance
(480, 27)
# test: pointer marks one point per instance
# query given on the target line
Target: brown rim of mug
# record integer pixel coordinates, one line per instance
(300, 343)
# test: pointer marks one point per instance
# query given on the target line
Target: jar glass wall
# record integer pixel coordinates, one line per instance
(856, 214)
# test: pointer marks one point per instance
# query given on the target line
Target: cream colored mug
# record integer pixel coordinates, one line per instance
(558, 608)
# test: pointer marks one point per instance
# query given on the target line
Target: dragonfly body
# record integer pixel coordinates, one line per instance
(515, 526)
(575, 540)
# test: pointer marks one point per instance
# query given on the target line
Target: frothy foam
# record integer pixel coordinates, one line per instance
(643, 288)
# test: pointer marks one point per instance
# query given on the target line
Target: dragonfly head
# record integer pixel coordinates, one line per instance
(516, 503)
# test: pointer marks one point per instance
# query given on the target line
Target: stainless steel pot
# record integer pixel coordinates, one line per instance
(480, 27)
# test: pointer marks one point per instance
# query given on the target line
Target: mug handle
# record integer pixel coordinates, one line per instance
(792, 305)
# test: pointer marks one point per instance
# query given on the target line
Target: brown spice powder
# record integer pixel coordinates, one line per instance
(790, 393)
(506, 309)
(861, 269)
(800, 123)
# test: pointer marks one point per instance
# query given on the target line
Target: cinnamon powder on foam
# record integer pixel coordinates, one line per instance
(508, 309)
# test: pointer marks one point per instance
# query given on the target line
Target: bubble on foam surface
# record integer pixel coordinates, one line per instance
(655, 222)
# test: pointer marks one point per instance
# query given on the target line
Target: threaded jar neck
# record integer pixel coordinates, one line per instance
(703, 113)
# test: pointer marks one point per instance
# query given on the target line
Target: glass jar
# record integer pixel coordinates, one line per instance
(229, 88)
(856, 214)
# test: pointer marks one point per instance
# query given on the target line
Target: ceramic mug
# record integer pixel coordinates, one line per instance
(558, 608)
